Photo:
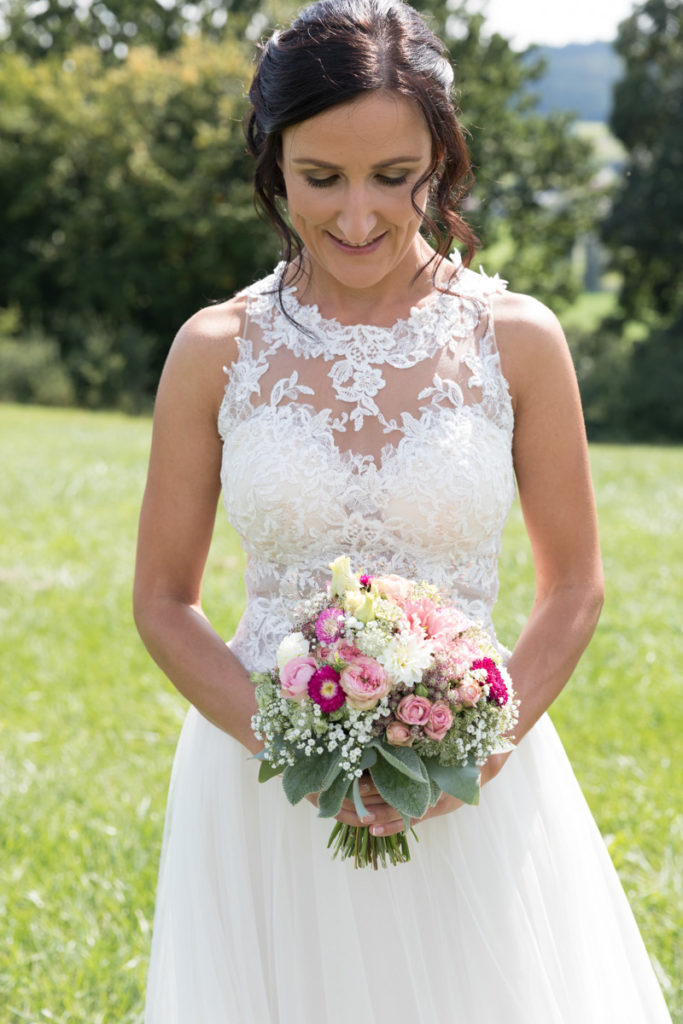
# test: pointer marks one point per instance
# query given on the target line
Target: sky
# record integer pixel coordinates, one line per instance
(555, 22)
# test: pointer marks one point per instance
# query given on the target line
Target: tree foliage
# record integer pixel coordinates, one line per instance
(128, 199)
(57, 26)
(533, 194)
(645, 228)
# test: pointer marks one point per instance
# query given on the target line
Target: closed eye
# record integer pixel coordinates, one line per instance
(386, 180)
(321, 182)
(383, 179)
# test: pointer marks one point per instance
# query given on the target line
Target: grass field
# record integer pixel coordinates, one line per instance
(88, 725)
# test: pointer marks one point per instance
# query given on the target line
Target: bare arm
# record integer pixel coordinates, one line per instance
(176, 525)
(556, 494)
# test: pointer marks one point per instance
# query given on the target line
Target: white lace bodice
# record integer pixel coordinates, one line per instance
(391, 445)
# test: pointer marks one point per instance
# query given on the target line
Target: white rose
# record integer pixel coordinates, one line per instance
(294, 645)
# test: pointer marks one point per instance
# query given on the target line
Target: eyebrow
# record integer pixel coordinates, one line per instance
(312, 162)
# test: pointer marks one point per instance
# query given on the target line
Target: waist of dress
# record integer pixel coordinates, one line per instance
(276, 597)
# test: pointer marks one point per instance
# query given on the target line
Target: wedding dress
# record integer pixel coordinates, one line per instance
(391, 445)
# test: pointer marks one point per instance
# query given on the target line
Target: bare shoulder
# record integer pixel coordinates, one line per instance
(204, 346)
(212, 332)
(533, 349)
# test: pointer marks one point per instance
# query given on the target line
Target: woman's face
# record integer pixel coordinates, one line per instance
(349, 174)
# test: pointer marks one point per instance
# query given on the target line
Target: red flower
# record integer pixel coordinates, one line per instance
(324, 688)
(498, 691)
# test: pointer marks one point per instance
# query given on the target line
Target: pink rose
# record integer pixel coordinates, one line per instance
(295, 676)
(443, 624)
(440, 720)
(394, 587)
(398, 734)
(346, 651)
(414, 710)
(467, 694)
(364, 682)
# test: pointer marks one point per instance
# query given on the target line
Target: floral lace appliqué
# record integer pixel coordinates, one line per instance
(431, 502)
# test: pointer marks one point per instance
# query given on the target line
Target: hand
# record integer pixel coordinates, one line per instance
(383, 819)
(381, 815)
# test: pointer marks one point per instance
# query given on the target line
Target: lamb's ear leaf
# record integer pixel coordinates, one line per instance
(266, 771)
(461, 781)
(330, 799)
(408, 795)
(307, 775)
(404, 759)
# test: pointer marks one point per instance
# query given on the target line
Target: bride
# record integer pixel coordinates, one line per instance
(373, 397)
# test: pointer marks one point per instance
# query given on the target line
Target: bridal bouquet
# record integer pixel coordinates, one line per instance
(381, 677)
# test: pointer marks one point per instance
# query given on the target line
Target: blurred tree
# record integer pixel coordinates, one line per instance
(645, 227)
(56, 26)
(533, 195)
(128, 201)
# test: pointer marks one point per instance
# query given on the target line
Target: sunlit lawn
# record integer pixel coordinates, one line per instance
(88, 725)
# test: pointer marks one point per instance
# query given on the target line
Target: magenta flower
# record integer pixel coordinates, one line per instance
(325, 689)
(498, 691)
(328, 626)
(365, 581)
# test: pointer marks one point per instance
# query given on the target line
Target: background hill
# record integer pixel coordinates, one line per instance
(579, 78)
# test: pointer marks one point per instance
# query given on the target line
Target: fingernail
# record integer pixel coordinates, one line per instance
(377, 830)
(368, 818)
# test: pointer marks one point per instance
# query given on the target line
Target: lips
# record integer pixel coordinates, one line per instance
(356, 246)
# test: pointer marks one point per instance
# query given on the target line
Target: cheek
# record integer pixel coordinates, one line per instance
(401, 210)
(304, 206)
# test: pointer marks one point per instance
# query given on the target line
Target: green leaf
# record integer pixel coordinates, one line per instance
(361, 809)
(333, 771)
(404, 760)
(410, 796)
(307, 775)
(368, 758)
(458, 781)
(266, 771)
(435, 790)
(330, 799)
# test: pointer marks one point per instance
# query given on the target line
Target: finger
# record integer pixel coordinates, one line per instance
(373, 803)
(379, 814)
(387, 828)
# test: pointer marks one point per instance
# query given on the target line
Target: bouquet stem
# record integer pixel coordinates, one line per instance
(367, 850)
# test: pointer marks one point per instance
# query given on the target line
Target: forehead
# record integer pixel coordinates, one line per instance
(372, 125)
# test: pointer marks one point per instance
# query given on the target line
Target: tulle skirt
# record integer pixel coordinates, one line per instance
(508, 912)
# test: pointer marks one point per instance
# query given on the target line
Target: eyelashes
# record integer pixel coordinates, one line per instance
(383, 179)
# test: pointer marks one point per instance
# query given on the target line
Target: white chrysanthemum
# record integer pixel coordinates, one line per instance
(295, 645)
(406, 657)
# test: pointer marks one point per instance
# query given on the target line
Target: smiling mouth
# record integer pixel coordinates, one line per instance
(357, 245)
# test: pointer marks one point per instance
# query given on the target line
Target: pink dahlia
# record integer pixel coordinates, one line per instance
(329, 625)
(498, 691)
(324, 688)
(365, 581)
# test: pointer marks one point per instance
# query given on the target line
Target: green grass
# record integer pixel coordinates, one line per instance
(89, 725)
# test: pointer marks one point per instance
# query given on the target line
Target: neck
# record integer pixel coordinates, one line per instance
(382, 304)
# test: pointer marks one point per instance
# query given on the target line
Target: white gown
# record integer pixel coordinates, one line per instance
(508, 912)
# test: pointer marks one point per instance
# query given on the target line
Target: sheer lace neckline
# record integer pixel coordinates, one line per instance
(308, 314)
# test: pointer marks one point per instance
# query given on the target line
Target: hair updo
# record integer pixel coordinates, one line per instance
(336, 51)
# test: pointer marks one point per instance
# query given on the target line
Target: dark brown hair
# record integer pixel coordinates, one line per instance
(333, 52)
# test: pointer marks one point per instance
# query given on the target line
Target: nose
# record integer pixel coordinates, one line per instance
(357, 218)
